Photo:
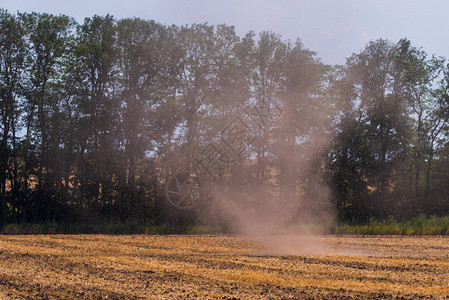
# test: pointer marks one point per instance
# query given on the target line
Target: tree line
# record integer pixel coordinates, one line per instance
(95, 118)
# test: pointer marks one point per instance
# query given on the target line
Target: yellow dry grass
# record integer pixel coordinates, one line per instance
(211, 267)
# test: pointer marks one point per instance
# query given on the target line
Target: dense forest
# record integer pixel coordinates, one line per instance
(96, 117)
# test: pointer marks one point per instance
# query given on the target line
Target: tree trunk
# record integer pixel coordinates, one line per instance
(3, 169)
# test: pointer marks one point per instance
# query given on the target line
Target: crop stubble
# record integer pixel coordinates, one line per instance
(219, 266)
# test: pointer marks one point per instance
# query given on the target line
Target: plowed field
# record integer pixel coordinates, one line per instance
(221, 266)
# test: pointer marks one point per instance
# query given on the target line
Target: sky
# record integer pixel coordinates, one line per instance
(333, 28)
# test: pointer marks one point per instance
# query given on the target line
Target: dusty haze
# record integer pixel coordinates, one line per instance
(286, 220)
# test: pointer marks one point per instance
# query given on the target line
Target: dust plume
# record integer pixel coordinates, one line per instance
(284, 204)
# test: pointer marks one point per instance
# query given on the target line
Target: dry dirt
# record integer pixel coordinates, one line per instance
(223, 267)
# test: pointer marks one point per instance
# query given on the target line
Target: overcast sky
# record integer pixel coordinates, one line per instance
(333, 28)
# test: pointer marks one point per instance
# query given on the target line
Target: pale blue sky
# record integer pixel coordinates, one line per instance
(333, 28)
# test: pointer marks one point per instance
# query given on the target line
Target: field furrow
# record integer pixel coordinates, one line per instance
(222, 266)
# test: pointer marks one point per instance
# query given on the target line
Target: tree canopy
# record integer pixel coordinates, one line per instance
(96, 117)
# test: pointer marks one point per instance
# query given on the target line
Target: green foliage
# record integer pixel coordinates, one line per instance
(96, 116)
(388, 132)
(420, 225)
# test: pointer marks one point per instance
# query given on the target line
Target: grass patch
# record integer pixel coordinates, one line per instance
(116, 228)
(421, 225)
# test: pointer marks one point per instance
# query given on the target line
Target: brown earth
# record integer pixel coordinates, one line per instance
(223, 267)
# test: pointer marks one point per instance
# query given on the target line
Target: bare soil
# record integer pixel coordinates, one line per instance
(220, 267)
